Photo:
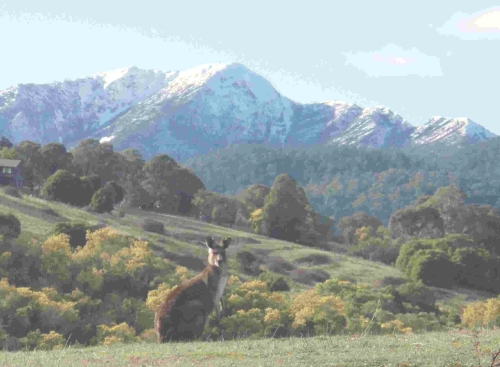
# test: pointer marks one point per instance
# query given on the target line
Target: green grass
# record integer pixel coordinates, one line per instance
(186, 236)
(431, 349)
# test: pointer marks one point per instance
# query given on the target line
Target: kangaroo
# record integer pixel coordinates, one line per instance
(184, 311)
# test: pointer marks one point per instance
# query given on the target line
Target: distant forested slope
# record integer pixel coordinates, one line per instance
(341, 180)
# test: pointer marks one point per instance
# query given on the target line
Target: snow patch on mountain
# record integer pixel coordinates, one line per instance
(451, 130)
(202, 108)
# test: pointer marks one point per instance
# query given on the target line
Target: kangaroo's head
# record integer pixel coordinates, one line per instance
(217, 253)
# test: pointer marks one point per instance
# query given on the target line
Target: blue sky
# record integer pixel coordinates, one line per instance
(420, 59)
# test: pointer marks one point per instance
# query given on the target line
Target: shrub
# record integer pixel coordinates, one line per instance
(275, 283)
(120, 213)
(313, 259)
(10, 227)
(279, 265)
(102, 201)
(116, 189)
(64, 187)
(12, 191)
(50, 211)
(76, 232)
(109, 335)
(249, 263)
(433, 267)
(310, 276)
(152, 225)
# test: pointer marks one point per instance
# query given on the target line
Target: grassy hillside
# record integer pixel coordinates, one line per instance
(183, 243)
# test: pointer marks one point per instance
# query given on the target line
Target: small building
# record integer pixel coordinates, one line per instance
(11, 172)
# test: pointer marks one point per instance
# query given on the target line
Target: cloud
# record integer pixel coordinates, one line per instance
(393, 60)
(484, 24)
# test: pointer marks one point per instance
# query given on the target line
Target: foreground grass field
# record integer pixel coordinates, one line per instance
(452, 349)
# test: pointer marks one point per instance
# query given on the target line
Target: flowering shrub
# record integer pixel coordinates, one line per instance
(109, 335)
(50, 341)
(312, 312)
(481, 313)
(56, 257)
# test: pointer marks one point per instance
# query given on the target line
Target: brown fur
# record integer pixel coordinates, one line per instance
(171, 298)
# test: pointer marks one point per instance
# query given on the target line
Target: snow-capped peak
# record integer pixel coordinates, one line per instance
(113, 75)
(440, 128)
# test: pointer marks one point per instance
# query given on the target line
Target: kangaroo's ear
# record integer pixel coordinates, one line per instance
(210, 242)
(226, 241)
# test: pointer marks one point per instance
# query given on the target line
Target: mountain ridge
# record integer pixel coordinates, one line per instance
(194, 111)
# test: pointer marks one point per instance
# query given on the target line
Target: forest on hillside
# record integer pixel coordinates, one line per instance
(341, 180)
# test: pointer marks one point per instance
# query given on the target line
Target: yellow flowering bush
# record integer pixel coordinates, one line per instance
(56, 256)
(156, 296)
(94, 241)
(482, 313)
(129, 259)
(312, 312)
(121, 333)
(248, 323)
(46, 299)
(50, 341)
(396, 324)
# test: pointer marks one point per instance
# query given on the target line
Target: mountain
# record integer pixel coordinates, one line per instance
(200, 109)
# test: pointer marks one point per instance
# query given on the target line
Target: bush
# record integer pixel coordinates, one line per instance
(102, 201)
(50, 211)
(12, 191)
(116, 189)
(314, 259)
(120, 213)
(307, 276)
(10, 226)
(279, 265)
(249, 263)
(152, 225)
(433, 267)
(77, 232)
(275, 283)
(64, 187)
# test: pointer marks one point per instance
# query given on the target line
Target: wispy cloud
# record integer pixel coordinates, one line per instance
(393, 60)
(484, 24)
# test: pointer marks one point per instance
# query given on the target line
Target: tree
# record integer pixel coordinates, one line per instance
(284, 211)
(49, 159)
(254, 195)
(64, 187)
(433, 267)
(472, 267)
(116, 189)
(92, 157)
(10, 226)
(134, 193)
(421, 221)
(350, 224)
(171, 186)
(5, 143)
(28, 153)
(102, 201)
(449, 201)
(8, 153)
(224, 211)
(482, 223)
